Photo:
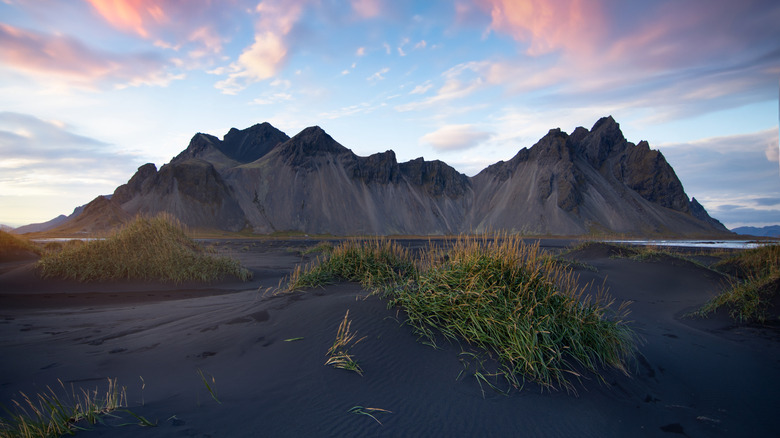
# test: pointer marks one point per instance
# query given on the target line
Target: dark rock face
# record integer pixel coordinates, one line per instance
(376, 169)
(590, 181)
(138, 183)
(698, 211)
(241, 146)
(436, 177)
(252, 143)
(301, 150)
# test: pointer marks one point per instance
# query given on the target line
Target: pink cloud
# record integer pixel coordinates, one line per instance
(547, 25)
(133, 15)
(268, 53)
(65, 59)
(455, 137)
(367, 8)
(199, 27)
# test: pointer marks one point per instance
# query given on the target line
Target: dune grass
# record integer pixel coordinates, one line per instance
(54, 414)
(155, 248)
(754, 288)
(12, 243)
(210, 387)
(338, 354)
(373, 263)
(498, 294)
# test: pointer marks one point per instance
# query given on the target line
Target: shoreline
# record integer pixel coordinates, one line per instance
(707, 377)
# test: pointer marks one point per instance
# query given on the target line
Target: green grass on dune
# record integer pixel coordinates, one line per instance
(155, 249)
(52, 414)
(500, 295)
(755, 287)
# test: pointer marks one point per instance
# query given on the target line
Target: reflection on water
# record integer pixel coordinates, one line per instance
(66, 239)
(726, 244)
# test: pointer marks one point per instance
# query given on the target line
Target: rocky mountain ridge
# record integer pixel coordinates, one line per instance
(566, 184)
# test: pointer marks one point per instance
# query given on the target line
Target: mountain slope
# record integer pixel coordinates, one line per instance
(260, 179)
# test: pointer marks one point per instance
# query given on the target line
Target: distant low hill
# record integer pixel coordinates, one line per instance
(261, 180)
(769, 231)
(48, 225)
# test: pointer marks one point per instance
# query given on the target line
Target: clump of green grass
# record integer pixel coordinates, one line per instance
(500, 295)
(338, 353)
(509, 298)
(324, 247)
(11, 244)
(155, 248)
(51, 414)
(755, 286)
(375, 262)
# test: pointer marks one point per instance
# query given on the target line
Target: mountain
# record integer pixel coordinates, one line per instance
(768, 231)
(591, 181)
(50, 224)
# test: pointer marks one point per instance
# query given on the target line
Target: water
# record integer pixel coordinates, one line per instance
(724, 244)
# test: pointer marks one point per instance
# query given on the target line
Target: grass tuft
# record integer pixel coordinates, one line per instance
(498, 294)
(370, 412)
(51, 414)
(373, 263)
(210, 387)
(755, 286)
(155, 248)
(338, 353)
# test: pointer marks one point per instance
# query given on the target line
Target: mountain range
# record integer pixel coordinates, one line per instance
(768, 231)
(261, 180)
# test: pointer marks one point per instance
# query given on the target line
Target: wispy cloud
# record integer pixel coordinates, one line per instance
(455, 137)
(270, 49)
(548, 25)
(198, 30)
(45, 161)
(66, 60)
(459, 82)
(422, 88)
(367, 8)
(738, 170)
(379, 75)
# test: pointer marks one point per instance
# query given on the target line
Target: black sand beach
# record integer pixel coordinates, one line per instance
(691, 377)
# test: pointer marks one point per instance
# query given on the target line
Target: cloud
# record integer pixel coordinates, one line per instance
(678, 59)
(379, 75)
(459, 81)
(197, 28)
(45, 162)
(455, 137)
(422, 88)
(547, 25)
(63, 59)
(367, 8)
(361, 51)
(269, 51)
(730, 171)
(132, 15)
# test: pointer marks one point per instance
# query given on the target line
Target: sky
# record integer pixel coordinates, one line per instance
(92, 89)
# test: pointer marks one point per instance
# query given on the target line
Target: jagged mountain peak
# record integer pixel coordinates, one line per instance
(603, 140)
(313, 141)
(239, 145)
(252, 143)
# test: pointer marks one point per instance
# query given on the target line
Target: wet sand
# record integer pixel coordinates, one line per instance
(696, 378)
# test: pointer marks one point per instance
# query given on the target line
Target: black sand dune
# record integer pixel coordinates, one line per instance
(691, 378)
